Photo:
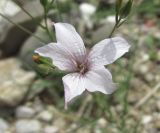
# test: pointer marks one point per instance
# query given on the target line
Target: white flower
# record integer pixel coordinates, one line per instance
(86, 69)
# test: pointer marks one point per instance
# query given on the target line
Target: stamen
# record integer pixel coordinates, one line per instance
(82, 68)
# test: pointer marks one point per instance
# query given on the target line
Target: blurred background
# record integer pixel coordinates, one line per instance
(32, 95)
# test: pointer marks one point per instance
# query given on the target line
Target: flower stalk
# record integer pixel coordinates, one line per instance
(122, 12)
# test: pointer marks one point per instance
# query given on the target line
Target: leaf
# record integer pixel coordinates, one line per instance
(37, 87)
(118, 7)
(126, 9)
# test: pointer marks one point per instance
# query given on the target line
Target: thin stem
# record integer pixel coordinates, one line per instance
(22, 8)
(46, 24)
(22, 28)
(114, 28)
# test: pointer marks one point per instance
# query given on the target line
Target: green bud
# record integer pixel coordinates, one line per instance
(44, 2)
(44, 69)
(118, 5)
(126, 9)
(42, 60)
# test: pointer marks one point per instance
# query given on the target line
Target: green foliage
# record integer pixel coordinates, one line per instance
(44, 2)
(126, 9)
(149, 7)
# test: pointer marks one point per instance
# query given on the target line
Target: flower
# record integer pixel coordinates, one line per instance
(86, 69)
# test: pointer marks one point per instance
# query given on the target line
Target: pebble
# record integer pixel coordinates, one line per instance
(45, 116)
(102, 123)
(25, 112)
(60, 123)
(146, 119)
(28, 126)
(87, 9)
(143, 69)
(50, 129)
(149, 77)
(3, 126)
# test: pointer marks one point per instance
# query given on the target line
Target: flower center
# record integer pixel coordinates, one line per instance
(82, 68)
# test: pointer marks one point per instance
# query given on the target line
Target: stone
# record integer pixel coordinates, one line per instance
(51, 129)
(15, 82)
(87, 10)
(149, 77)
(143, 69)
(28, 126)
(102, 123)
(3, 126)
(38, 105)
(146, 119)
(60, 123)
(45, 116)
(8, 8)
(12, 37)
(25, 112)
(27, 50)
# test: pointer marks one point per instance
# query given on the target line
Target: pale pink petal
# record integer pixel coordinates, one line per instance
(68, 37)
(100, 80)
(73, 86)
(59, 55)
(108, 50)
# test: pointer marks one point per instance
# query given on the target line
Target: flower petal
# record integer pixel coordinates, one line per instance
(59, 55)
(68, 37)
(73, 86)
(108, 50)
(100, 80)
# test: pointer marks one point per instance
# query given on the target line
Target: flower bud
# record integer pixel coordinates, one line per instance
(44, 69)
(36, 58)
(44, 2)
(118, 5)
(126, 9)
(42, 60)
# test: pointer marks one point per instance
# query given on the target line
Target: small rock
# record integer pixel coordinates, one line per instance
(24, 112)
(38, 105)
(87, 9)
(110, 19)
(8, 8)
(3, 126)
(157, 124)
(15, 82)
(28, 126)
(45, 116)
(60, 123)
(143, 69)
(10, 43)
(146, 119)
(50, 129)
(97, 130)
(102, 123)
(149, 77)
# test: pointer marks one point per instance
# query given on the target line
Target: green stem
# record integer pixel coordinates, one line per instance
(115, 26)
(22, 28)
(46, 24)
